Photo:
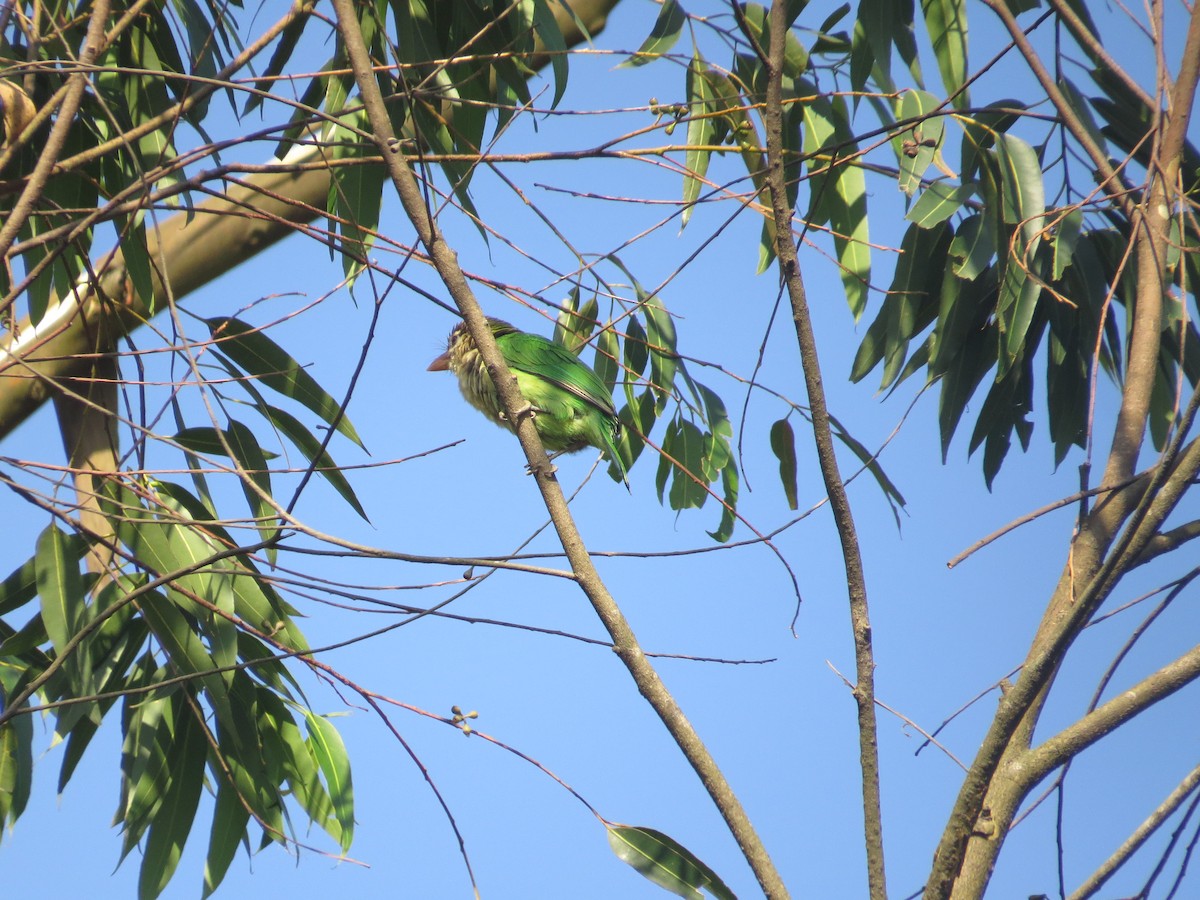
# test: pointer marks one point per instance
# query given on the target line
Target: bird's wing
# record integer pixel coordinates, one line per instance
(542, 358)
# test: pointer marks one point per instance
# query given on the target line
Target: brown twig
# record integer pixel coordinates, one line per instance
(789, 267)
(624, 641)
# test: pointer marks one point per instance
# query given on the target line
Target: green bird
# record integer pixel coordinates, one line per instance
(572, 408)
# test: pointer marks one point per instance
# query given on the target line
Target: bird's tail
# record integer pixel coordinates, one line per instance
(613, 451)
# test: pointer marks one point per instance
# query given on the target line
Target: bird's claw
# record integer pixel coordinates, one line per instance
(529, 468)
(527, 410)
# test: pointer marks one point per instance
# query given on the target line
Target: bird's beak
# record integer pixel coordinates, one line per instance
(441, 364)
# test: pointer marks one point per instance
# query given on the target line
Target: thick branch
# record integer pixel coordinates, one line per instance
(194, 248)
(76, 84)
(1074, 739)
(990, 793)
(839, 504)
(516, 408)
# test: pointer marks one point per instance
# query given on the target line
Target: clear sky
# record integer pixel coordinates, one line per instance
(783, 730)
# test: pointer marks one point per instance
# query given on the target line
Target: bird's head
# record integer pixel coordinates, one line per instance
(460, 347)
(458, 344)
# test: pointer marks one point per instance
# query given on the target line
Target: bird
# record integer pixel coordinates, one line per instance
(570, 405)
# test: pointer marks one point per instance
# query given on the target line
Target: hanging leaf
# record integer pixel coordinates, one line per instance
(262, 358)
(783, 445)
(330, 753)
(665, 862)
(946, 21)
(664, 34)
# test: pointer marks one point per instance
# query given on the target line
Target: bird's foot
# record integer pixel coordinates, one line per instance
(553, 468)
(527, 410)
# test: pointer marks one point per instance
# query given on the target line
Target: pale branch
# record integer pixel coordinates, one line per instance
(1108, 178)
(195, 247)
(94, 44)
(1138, 837)
(789, 267)
(1035, 764)
(969, 845)
(1169, 540)
(516, 408)
(1066, 13)
(1151, 231)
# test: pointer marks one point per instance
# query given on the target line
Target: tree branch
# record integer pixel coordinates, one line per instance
(1074, 739)
(1139, 836)
(839, 504)
(195, 248)
(625, 643)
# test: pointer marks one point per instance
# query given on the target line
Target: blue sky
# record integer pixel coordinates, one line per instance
(783, 731)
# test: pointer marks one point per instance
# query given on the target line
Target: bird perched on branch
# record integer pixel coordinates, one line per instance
(571, 407)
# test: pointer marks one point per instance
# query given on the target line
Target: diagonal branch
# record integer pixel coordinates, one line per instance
(625, 643)
(195, 247)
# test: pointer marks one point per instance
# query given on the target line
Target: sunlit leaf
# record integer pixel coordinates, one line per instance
(64, 606)
(665, 862)
(1022, 191)
(664, 34)
(938, 202)
(917, 144)
(946, 21)
(262, 358)
(331, 755)
(701, 133)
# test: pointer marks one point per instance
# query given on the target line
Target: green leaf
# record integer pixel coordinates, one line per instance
(279, 58)
(946, 21)
(1022, 192)
(851, 233)
(355, 192)
(872, 41)
(186, 652)
(972, 246)
(755, 24)
(255, 474)
(729, 483)
(322, 463)
(64, 604)
(783, 445)
(917, 145)
(1069, 228)
(145, 756)
(16, 754)
(607, 353)
(228, 831)
(262, 358)
(663, 356)
(574, 326)
(685, 444)
(938, 202)
(552, 40)
(330, 752)
(172, 821)
(868, 459)
(1019, 293)
(637, 353)
(21, 585)
(665, 862)
(701, 133)
(664, 34)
